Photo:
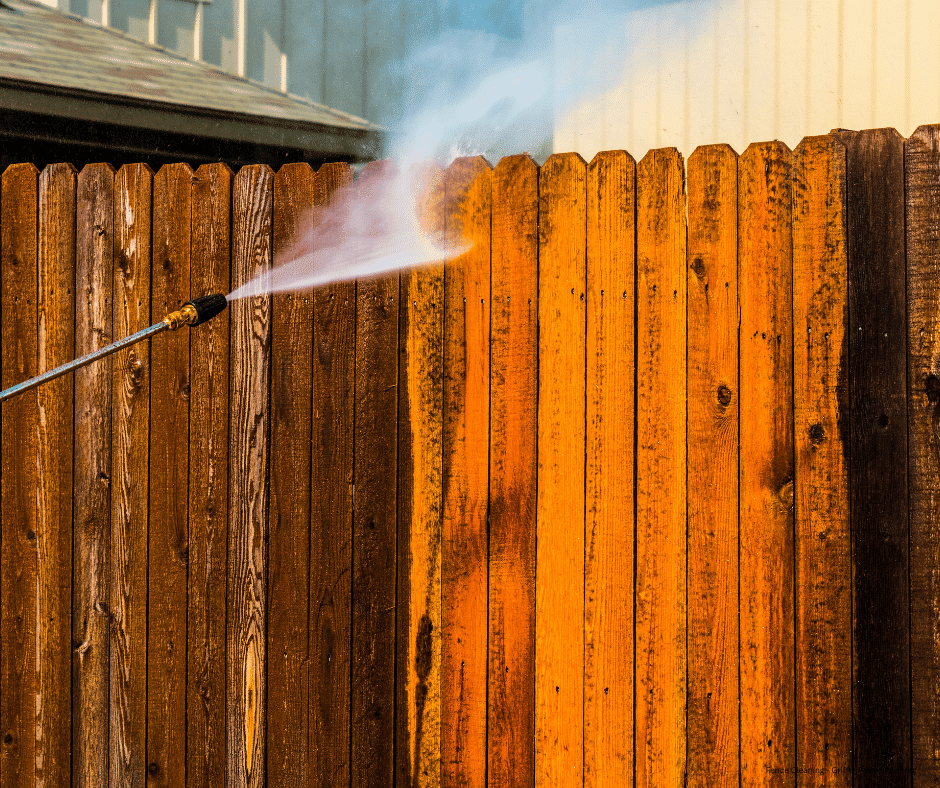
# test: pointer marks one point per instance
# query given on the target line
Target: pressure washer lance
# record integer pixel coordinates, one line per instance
(193, 313)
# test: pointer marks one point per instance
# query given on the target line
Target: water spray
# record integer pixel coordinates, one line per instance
(193, 313)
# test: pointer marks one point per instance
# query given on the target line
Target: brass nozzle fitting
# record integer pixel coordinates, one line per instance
(185, 316)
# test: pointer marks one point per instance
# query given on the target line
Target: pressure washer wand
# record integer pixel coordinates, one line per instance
(193, 313)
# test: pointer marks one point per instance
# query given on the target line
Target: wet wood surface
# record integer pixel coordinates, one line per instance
(513, 473)
(712, 274)
(465, 447)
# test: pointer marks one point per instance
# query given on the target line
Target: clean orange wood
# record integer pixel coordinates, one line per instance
(661, 471)
(823, 591)
(56, 337)
(208, 483)
(289, 522)
(766, 465)
(921, 168)
(513, 474)
(466, 427)
(559, 599)
(248, 481)
(130, 458)
(169, 480)
(331, 505)
(713, 467)
(610, 527)
(420, 403)
(20, 443)
(375, 525)
(91, 528)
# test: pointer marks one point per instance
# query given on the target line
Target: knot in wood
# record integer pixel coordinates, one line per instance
(785, 494)
(724, 396)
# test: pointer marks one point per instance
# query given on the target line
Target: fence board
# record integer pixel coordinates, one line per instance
(418, 606)
(513, 473)
(331, 513)
(466, 426)
(878, 458)
(559, 604)
(661, 469)
(766, 464)
(56, 336)
(289, 521)
(208, 484)
(713, 735)
(248, 482)
(823, 603)
(610, 529)
(20, 439)
(374, 527)
(169, 482)
(130, 460)
(922, 168)
(91, 529)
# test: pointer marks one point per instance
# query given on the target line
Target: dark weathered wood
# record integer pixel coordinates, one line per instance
(712, 276)
(765, 481)
(248, 482)
(922, 189)
(559, 604)
(660, 470)
(823, 586)
(610, 526)
(289, 522)
(331, 504)
(169, 480)
(56, 311)
(465, 445)
(418, 606)
(130, 456)
(91, 529)
(374, 529)
(878, 458)
(208, 483)
(20, 473)
(513, 474)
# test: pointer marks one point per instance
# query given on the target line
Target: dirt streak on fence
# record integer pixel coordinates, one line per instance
(640, 490)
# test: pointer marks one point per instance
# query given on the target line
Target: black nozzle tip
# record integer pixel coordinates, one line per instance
(207, 307)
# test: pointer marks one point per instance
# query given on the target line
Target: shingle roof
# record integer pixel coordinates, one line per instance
(44, 49)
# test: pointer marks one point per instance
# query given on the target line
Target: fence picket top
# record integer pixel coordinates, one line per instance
(922, 167)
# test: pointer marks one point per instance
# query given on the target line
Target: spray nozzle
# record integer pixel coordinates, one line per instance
(197, 311)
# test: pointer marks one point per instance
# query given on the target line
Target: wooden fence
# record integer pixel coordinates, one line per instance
(642, 490)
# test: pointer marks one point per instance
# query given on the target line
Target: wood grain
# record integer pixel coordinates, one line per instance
(56, 338)
(289, 522)
(169, 482)
(130, 458)
(208, 483)
(765, 482)
(466, 427)
(823, 587)
(610, 527)
(922, 190)
(559, 601)
(513, 473)
(20, 443)
(420, 405)
(712, 275)
(661, 471)
(247, 601)
(878, 458)
(331, 513)
(91, 529)
(374, 528)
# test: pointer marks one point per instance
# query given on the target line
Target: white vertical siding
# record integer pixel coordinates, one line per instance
(344, 55)
(741, 71)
